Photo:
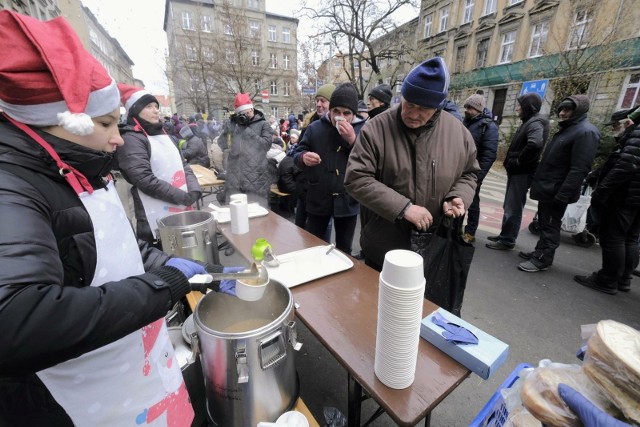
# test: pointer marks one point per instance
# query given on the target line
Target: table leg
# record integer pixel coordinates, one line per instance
(427, 420)
(354, 402)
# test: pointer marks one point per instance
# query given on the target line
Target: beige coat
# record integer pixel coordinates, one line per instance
(391, 165)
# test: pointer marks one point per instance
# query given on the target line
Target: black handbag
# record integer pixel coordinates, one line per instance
(447, 259)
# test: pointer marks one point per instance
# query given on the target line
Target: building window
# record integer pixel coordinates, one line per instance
(257, 84)
(506, 47)
(206, 23)
(195, 84)
(366, 64)
(579, 30)
(287, 89)
(207, 53)
(468, 11)
(273, 60)
(631, 92)
(228, 30)
(255, 58)
(286, 62)
(481, 53)
(274, 112)
(444, 19)
(356, 63)
(512, 2)
(191, 52)
(272, 33)
(274, 87)
(461, 53)
(254, 28)
(286, 35)
(538, 39)
(489, 7)
(187, 21)
(253, 4)
(231, 57)
(428, 21)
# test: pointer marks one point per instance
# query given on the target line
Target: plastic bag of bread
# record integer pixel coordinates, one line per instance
(612, 362)
(539, 393)
(520, 417)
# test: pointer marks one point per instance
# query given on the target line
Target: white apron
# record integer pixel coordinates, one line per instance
(166, 164)
(133, 381)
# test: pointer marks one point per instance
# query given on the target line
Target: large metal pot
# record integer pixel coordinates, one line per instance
(190, 234)
(247, 356)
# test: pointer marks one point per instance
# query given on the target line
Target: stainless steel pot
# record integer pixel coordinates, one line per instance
(247, 358)
(190, 234)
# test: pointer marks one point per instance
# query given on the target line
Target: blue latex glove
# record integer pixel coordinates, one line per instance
(186, 267)
(454, 333)
(589, 414)
(228, 286)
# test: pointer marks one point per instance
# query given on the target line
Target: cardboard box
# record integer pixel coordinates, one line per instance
(483, 358)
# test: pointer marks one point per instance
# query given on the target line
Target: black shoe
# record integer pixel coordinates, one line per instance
(525, 255)
(493, 238)
(592, 282)
(499, 246)
(624, 287)
(532, 267)
(636, 272)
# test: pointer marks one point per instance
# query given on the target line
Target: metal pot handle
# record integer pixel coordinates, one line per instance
(272, 350)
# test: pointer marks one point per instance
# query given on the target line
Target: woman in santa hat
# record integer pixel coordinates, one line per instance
(163, 183)
(82, 302)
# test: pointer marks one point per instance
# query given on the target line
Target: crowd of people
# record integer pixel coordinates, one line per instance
(84, 295)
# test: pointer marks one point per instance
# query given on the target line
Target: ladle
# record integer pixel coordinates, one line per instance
(202, 282)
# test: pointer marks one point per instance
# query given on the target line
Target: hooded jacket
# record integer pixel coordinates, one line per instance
(248, 170)
(325, 182)
(485, 134)
(391, 165)
(528, 142)
(568, 157)
(48, 310)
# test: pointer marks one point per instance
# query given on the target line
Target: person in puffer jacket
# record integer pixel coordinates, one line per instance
(566, 160)
(193, 149)
(84, 340)
(617, 201)
(247, 137)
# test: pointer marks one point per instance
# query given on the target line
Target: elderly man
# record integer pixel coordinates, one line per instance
(566, 161)
(323, 95)
(411, 165)
(322, 154)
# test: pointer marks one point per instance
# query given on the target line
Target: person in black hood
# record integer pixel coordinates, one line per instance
(379, 100)
(565, 163)
(521, 163)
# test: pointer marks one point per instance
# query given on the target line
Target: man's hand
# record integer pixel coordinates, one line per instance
(311, 159)
(454, 207)
(419, 216)
(345, 129)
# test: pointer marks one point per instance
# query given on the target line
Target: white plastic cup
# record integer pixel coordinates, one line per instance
(293, 419)
(403, 269)
(250, 289)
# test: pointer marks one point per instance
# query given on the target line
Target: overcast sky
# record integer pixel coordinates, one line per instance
(137, 25)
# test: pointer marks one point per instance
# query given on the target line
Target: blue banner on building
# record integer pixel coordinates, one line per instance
(537, 86)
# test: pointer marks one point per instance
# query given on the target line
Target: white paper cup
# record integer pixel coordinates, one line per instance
(238, 196)
(403, 269)
(250, 289)
(293, 419)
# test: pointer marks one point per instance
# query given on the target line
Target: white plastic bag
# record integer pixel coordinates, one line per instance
(575, 217)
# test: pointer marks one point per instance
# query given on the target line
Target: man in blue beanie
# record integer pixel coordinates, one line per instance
(411, 165)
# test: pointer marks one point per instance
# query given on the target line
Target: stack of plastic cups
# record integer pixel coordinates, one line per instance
(400, 300)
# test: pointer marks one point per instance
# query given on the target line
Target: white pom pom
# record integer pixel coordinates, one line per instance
(76, 123)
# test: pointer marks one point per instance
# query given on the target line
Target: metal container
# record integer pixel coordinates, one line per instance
(247, 358)
(190, 234)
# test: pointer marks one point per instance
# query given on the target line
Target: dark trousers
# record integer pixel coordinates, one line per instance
(515, 198)
(619, 232)
(301, 218)
(473, 213)
(345, 228)
(550, 215)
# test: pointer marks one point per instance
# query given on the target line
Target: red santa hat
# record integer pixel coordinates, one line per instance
(132, 95)
(49, 78)
(243, 102)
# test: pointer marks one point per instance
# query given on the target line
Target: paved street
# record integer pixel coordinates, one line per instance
(537, 314)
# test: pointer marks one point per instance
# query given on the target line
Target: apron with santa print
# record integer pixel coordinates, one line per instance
(135, 381)
(166, 164)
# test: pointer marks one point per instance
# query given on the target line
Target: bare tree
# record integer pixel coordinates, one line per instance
(353, 26)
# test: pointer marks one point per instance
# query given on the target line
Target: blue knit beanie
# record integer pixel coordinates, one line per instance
(427, 84)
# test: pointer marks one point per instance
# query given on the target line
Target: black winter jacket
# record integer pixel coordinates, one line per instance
(527, 144)
(194, 151)
(485, 134)
(619, 181)
(248, 170)
(48, 311)
(567, 158)
(325, 182)
(134, 161)
(290, 178)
